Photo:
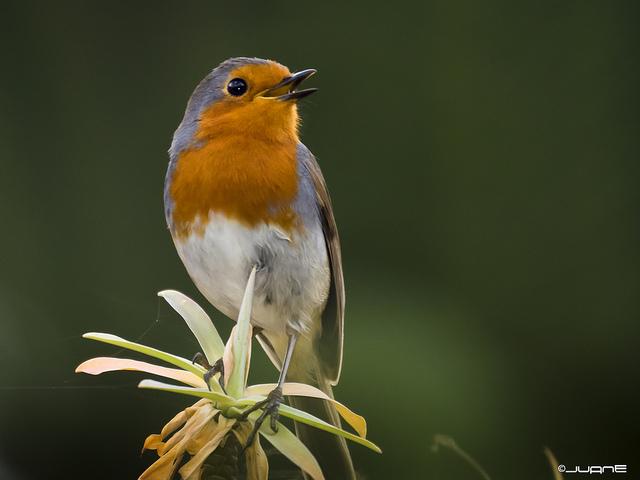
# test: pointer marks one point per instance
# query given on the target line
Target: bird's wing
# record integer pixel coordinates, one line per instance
(332, 337)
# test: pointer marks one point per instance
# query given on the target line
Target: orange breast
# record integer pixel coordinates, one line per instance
(244, 166)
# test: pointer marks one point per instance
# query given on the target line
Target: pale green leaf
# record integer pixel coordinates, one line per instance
(358, 422)
(307, 418)
(152, 352)
(216, 397)
(292, 448)
(227, 358)
(199, 323)
(241, 342)
(304, 417)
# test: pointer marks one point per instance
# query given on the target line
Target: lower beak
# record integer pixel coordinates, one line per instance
(286, 89)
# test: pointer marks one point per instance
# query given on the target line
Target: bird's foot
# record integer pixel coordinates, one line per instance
(211, 370)
(270, 407)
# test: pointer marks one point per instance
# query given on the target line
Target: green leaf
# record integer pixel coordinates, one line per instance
(199, 323)
(216, 397)
(241, 345)
(358, 422)
(152, 352)
(307, 418)
(304, 417)
(292, 448)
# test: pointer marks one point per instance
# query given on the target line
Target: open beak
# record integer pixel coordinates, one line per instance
(286, 89)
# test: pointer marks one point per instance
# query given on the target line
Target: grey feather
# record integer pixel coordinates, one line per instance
(332, 337)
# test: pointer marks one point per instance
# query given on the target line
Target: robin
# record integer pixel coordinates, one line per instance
(243, 191)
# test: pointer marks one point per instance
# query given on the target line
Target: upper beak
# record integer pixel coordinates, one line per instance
(286, 89)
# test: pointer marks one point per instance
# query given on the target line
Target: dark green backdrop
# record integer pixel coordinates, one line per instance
(483, 161)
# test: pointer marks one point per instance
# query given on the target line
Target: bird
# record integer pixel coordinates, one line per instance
(241, 192)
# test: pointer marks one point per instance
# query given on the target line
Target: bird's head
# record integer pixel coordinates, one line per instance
(244, 96)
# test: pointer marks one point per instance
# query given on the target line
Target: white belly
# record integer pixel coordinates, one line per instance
(292, 283)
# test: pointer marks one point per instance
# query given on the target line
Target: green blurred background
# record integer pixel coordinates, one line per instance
(483, 159)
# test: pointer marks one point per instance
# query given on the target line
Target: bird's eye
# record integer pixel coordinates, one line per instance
(237, 87)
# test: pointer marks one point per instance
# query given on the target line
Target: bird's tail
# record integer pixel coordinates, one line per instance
(330, 450)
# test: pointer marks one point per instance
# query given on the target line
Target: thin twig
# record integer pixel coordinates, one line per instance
(448, 442)
(553, 462)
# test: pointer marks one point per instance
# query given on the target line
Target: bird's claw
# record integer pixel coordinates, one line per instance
(200, 359)
(211, 370)
(270, 407)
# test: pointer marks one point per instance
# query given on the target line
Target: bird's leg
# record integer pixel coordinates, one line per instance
(211, 370)
(256, 331)
(271, 404)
